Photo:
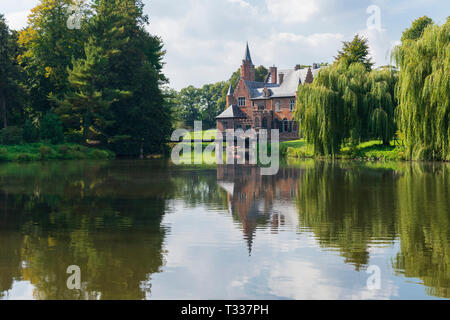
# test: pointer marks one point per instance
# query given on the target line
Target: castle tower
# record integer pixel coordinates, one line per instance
(230, 97)
(247, 68)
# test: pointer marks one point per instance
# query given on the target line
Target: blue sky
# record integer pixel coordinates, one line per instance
(205, 39)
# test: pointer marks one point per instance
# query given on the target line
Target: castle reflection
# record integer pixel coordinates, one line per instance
(258, 201)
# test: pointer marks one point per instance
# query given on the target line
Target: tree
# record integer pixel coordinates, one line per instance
(48, 48)
(52, 128)
(141, 121)
(189, 105)
(261, 73)
(355, 51)
(10, 90)
(417, 28)
(211, 103)
(88, 104)
(347, 103)
(423, 92)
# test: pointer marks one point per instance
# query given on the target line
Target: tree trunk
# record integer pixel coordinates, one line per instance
(3, 104)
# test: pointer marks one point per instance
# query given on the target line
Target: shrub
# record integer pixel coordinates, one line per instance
(63, 149)
(99, 154)
(52, 128)
(44, 151)
(24, 157)
(74, 136)
(11, 135)
(3, 154)
(30, 132)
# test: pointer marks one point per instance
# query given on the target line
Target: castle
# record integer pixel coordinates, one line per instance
(265, 105)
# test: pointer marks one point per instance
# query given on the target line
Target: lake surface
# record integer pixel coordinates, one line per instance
(149, 230)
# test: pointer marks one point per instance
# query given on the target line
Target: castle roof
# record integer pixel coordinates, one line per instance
(232, 111)
(230, 90)
(288, 88)
(247, 56)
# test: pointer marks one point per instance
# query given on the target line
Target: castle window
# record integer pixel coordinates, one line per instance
(264, 123)
(241, 101)
(277, 106)
(285, 125)
(291, 105)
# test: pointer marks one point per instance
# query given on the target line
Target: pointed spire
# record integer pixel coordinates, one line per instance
(230, 90)
(247, 56)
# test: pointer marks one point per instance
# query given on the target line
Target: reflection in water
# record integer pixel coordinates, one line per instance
(148, 230)
(256, 200)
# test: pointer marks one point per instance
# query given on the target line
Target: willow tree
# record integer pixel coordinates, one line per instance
(424, 93)
(347, 103)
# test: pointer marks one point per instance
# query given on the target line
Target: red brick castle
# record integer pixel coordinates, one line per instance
(265, 105)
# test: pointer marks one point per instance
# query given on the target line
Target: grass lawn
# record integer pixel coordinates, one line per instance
(42, 151)
(205, 134)
(371, 150)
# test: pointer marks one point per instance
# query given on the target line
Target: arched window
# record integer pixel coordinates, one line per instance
(256, 122)
(264, 123)
(290, 126)
(285, 125)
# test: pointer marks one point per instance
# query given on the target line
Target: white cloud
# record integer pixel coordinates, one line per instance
(242, 3)
(17, 20)
(292, 10)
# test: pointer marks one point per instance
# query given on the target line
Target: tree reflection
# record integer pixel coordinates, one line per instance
(104, 218)
(424, 226)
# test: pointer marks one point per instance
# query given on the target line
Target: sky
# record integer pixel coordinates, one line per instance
(205, 39)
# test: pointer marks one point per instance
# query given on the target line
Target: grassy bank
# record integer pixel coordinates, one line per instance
(42, 151)
(370, 151)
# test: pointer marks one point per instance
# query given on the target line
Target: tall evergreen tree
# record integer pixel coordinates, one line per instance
(11, 93)
(355, 51)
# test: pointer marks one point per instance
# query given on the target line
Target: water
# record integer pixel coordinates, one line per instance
(148, 230)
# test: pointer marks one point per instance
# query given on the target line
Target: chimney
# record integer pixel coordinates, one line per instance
(297, 67)
(273, 74)
(281, 78)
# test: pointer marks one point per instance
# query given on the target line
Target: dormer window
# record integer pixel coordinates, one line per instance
(241, 101)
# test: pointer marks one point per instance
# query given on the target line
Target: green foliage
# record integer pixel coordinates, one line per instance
(30, 132)
(424, 93)
(44, 151)
(11, 135)
(48, 47)
(52, 129)
(261, 73)
(417, 28)
(189, 105)
(40, 151)
(355, 51)
(11, 93)
(347, 103)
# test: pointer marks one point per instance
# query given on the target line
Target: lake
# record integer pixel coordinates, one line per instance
(150, 230)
